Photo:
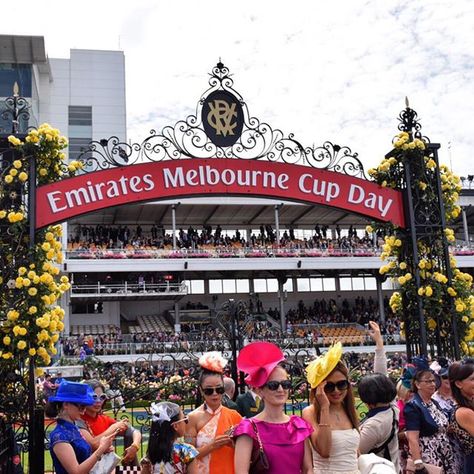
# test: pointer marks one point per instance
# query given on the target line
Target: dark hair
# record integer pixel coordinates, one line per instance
(417, 377)
(348, 403)
(376, 388)
(52, 409)
(209, 373)
(460, 371)
(162, 437)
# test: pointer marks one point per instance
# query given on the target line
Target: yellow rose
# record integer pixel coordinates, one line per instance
(23, 176)
(46, 246)
(402, 280)
(32, 291)
(8, 179)
(7, 355)
(32, 309)
(21, 345)
(3, 214)
(403, 266)
(32, 351)
(7, 340)
(429, 291)
(17, 164)
(421, 291)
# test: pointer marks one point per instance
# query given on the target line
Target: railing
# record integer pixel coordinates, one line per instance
(248, 252)
(101, 289)
(204, 345)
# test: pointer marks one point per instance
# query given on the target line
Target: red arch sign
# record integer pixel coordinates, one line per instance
(90, 192)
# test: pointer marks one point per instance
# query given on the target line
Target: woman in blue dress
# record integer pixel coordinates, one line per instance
(69, 450)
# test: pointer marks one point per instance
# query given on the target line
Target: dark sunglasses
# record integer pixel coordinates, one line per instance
(445, 377)
(210, 390)
(274, 384)
(341, 386)
(100, 397)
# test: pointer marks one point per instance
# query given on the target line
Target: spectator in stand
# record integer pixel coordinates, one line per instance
(49, 388)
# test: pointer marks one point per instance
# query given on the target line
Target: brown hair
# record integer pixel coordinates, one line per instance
(417, 377)
(348, 403)
(460, 371)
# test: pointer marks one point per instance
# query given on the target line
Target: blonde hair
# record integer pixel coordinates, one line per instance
(402, 391)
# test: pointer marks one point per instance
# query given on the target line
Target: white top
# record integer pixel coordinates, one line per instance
(343, 455)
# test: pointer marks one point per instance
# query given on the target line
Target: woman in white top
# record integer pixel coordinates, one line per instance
(332, 414)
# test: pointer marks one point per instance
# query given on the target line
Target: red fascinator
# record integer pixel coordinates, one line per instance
(258, 359)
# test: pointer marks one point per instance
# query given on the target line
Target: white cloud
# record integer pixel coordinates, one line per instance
(323, 70)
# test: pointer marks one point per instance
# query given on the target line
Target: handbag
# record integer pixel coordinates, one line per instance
(431, 468)
(372, 464)
(258, 461)
(107, 464)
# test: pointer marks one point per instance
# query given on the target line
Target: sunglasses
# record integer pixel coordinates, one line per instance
(100, 397)
(341, 386)
(185, 419)
(210, 390)
(274, 384)
(445, 377)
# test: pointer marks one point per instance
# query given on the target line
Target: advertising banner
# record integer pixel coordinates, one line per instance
(194, 177)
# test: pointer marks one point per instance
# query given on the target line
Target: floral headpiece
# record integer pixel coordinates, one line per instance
(213, 362)
(320, 368)
(163, 411)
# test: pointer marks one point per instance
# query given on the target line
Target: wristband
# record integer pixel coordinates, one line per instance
(135, 445)
(416, 462)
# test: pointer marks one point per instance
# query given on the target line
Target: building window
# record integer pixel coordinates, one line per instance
(80, 115)
(11, 73)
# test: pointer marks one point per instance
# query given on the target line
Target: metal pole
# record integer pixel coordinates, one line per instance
(282, 306)
(35, 432)
(233, 339)
(380, 299)
(447, 259)
(277, 224)
(464, 224)
(173, 220)
(416, 269)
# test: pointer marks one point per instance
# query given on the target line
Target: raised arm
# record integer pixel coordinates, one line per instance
(321, 438)
(380, 360)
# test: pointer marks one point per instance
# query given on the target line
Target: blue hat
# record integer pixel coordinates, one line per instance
(73, 392)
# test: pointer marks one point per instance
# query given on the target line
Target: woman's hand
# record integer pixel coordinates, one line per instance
(321, 396)
(105, 444)
(221, 440)
(375, 333)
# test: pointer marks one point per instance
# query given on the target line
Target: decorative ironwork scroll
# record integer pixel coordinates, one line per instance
(247, 137)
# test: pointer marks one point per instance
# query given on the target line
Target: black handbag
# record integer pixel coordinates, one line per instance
(259, 461)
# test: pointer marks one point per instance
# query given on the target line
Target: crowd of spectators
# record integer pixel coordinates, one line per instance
(124, 237)
(303, 321)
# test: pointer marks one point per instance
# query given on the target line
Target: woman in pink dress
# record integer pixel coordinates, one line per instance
(285, 439)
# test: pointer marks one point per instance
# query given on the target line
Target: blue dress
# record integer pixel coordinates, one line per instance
(67, 432)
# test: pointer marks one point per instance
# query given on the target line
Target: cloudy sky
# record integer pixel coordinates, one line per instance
(335, 71)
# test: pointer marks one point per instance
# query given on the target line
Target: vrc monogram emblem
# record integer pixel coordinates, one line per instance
(222, 118)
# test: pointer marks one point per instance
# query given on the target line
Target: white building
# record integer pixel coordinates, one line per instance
(83, 95)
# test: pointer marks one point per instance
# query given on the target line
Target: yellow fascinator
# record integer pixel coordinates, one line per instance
(320, 368)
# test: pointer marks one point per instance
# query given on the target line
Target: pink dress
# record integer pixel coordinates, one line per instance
(283, 443)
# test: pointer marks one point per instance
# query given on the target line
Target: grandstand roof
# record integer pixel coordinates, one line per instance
(225, 211)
